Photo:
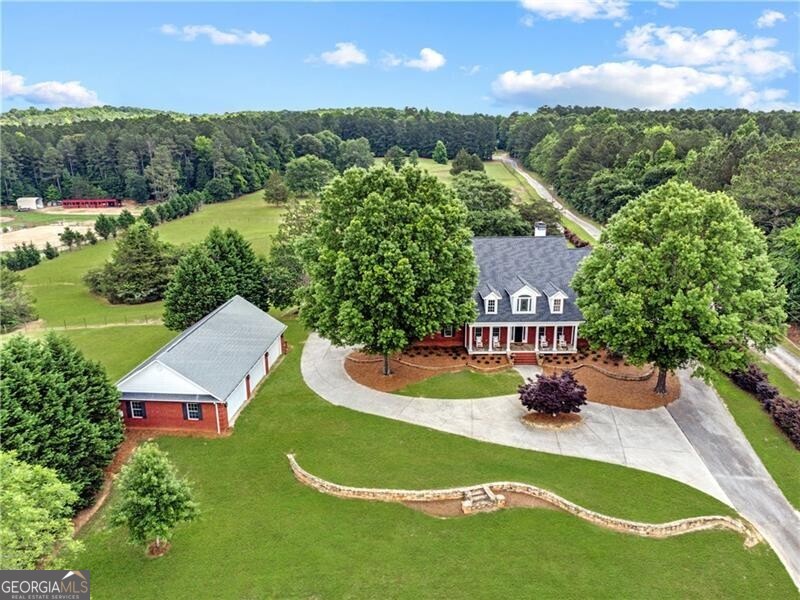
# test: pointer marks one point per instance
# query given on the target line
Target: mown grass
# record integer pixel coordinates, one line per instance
(32, 218)
(779, 456)
(786, 386)
(63, 299)
(464, 384)
(261, 534)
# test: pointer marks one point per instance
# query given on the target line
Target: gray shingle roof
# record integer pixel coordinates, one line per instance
(217, 352)
(545, 263)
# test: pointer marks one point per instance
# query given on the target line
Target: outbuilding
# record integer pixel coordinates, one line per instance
(201, 380)
(30, 203)
(90, 203)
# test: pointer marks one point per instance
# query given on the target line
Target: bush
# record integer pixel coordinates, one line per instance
(786, 415)
(755, 381)
(553, 394)
(574, 239)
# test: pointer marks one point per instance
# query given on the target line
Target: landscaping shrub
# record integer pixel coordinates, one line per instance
(784, 412)
(574, 239)
(553, 394)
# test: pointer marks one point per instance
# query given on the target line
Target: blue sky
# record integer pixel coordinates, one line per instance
(466, 57)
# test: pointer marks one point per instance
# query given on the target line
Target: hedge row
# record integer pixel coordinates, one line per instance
(785, 413)
(574, 239)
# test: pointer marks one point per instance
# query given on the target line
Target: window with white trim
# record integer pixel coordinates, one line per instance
(137, 409)
(558, 305)
(524, 304)
(193, 411)
(447, 331)
(491, 306)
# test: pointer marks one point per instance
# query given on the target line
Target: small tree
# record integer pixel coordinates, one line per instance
(50, 251)
(16, 305)
(105, 226)
(90, 237)
(553, 394)
(413, 158)
(276, 191)
(68, 237)
(464, 161)
(395, 156)
(125, 219)
(149, 217)
(440, 153)
(153, 499)
(36, 508)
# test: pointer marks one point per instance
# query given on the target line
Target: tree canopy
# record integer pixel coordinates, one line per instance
(389, 260)
(16, 304)
(308, 174)
(785, 255)
(680, 276)
(58, 410)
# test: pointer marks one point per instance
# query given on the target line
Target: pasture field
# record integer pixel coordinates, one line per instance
(262, 534)
(63, 299)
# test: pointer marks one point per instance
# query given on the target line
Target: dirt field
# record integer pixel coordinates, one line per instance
(57, 210)
(40, 235)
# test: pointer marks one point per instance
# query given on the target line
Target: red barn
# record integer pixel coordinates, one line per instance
(90, 203)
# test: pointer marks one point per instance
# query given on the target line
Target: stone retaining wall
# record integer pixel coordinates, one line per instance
(620, 376)
(443, 368)
(654, 530)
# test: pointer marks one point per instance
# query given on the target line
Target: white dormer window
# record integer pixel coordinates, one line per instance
(524, 304)
(558, 305)
(491, 306)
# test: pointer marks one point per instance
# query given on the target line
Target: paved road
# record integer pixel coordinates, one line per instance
(588, 227)
(785, 361)
(724, 449)
(642, 439)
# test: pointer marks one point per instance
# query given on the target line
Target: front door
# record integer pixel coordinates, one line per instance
(519, 335)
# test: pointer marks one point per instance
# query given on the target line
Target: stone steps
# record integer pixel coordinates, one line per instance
(481, 499)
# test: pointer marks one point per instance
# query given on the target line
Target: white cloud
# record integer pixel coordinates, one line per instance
(429, 60)
(720, 50)
(668, 3)
(470, 70)
(345, 55)
(48, 93)
(232, 37)
(527, 20)
(389, 60)
(620, 85)
(577, 10)
(769, 18)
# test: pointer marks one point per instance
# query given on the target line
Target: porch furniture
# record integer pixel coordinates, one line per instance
(496, 342)
(543, 343)
(479, 342)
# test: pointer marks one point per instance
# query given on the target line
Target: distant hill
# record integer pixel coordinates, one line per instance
(67, 116)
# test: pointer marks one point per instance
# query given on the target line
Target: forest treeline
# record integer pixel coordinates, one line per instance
(600, 159)
(145, 156)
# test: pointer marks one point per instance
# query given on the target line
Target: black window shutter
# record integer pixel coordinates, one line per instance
(185, 412)
(128, 410)
(144, 410)
(200, 410)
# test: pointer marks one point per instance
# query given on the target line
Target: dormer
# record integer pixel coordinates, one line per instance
(556, 297)
(523, 298)
(491, 299)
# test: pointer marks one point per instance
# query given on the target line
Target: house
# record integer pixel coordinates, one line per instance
(524, 301)
(201, 380)
(30, 203)
(90, 203)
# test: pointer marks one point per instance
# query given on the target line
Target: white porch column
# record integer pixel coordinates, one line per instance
(536, 338)
(508, 339)
(469, 338)
(575, 337)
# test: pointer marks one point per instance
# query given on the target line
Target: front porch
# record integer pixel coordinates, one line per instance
(521, 338)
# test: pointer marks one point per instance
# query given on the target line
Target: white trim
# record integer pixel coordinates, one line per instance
(168, 368)
(486, 305)
(527, 323)
(141, 407)
(189, 417)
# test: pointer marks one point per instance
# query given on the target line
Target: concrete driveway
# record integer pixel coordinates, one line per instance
(647, 440)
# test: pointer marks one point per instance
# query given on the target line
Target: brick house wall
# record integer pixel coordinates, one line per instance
(170, 416)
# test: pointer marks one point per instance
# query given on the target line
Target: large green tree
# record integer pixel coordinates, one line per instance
(355, 153)
(308, 174)
(767, 185)
(209, 274)
(139, 269)
(58, 410)
(275, 190)
(16, 305)
(152, 498)
(680, 276)
(162, 174)
(785, 255)
(36, 508)
(440, 153)
(389, 260)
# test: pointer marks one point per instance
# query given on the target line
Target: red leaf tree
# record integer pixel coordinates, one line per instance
(553, 394)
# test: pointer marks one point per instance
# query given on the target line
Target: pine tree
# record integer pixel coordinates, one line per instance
(153, 499)
(275, 191)
(105, 226)
(125, 219)
(50, 251)
(149, 217)
(440, 153)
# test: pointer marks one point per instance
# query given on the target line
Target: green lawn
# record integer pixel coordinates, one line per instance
(31, 218)
(62, 298)
(779, 456)
(261, 534)
(465, 384)
(779, 379)
(791, 347)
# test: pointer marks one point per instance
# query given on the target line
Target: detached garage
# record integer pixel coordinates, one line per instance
(203, 378)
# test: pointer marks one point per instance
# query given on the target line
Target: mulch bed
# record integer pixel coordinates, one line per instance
(367, 369)
(601, 359)
(558, 422)
(154, 551)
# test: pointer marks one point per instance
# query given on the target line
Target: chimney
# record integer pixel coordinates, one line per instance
(539, 229)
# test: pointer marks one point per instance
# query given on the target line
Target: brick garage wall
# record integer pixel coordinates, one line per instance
(169, 416)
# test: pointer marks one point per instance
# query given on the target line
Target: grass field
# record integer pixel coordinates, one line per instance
(62, 298)
(465, 384)
(779, 456)
(31, 218)
(261, 534)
